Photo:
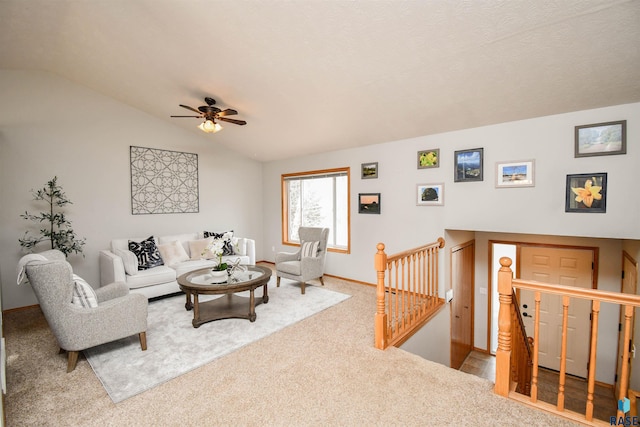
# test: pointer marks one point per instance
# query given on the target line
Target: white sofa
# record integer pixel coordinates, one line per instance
(161, 280)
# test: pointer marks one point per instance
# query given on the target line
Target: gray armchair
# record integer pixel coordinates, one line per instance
(296, 266)
(119, 313)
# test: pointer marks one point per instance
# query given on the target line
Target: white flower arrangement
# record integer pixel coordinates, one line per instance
(216, 247)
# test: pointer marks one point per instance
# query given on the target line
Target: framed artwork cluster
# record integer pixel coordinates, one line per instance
(584, 192)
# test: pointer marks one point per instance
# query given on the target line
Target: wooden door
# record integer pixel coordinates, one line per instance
(462, 283)
(569, 267)
(629, 286)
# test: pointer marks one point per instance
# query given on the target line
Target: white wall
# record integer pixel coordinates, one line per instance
(52, 127)
(473, 205)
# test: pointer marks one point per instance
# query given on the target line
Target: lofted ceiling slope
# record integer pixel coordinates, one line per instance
(314, 76)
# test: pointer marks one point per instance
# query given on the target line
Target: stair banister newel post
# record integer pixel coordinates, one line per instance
(503, 353)
(381, 338)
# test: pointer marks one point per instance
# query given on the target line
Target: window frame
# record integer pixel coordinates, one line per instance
(285, 204)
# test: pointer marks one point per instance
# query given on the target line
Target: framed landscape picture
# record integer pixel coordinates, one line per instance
(586, 193)
(430, 194)
(601, 139)
(369, 203)
(468, 165)
(369, 170)
(429, 159)
(515, 174)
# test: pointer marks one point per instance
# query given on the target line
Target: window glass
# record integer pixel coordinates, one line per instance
(317, 199)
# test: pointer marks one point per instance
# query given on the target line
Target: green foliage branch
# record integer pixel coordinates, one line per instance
(57, 229)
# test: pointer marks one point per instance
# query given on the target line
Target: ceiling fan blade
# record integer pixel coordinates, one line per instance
(197, 117)
(190, 108)
(227, 112)
(237, 122)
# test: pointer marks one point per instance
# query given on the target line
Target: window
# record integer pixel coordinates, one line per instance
(317, 199)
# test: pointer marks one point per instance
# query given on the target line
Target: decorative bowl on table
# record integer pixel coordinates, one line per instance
(219, 276)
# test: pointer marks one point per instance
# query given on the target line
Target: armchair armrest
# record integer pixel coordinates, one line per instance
(111, 291)
(113, 319)
(111, 268)
(287, 256)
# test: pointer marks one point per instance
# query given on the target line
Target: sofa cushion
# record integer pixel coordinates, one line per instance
(198, 249)
(130, 261)
(83, 294)
(172, 253)
(290, 267)
(151, 276)
(147, 253)
(241, 246)
(182, 238)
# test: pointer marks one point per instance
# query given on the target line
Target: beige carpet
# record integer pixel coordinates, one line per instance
(320, 371)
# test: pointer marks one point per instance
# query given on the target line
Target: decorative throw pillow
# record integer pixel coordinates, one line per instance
(83, 294)
(146, 252)
(198, 247)
(173, 253)
(309, 249)
(227, 247)
(130, 261)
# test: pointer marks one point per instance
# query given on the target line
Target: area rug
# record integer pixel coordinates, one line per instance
(175, 347)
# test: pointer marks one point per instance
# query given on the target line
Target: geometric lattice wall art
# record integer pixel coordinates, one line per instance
(163, 181)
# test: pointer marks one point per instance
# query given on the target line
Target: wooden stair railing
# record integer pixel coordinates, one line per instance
(407, 292)
(506, 348)
(521, 359)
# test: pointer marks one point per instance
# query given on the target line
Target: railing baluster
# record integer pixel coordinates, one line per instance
(624, 372)
(536, 347)
(595, 311)
(563, 353)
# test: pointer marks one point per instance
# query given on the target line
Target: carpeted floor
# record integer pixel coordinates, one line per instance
(320, 371)
(175, 347)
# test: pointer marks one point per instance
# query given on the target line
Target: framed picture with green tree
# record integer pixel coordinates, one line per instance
(429, 158)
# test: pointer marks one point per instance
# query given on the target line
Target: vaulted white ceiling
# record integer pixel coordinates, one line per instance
(312, 76)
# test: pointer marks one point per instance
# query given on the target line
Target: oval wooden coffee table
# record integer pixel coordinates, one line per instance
(198, 282)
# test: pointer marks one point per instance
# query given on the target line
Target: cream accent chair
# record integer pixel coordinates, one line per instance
(292, 265)
(119, 314)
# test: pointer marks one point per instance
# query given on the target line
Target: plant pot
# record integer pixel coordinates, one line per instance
(219, 276)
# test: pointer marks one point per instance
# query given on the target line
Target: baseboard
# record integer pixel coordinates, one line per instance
(333, 276)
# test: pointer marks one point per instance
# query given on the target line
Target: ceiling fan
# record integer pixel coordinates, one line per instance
(211, 115)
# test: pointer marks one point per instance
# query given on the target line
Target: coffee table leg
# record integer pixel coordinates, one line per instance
(265, 294)
(252, 306)
(188, 305)
(196, 311)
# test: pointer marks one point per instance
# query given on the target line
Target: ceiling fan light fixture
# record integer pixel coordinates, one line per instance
(209, 126)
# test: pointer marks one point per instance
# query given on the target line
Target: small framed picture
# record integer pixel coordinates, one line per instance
(369, 203)
(468, 165)
(430, 194)
(369, 170)
(429, 159)
(587, 193)
(515, 174)
(601, 139)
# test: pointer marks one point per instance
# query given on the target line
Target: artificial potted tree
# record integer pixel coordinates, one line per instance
(58, 230)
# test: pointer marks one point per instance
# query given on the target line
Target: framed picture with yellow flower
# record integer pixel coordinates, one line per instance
(429, 158)
(586, 192)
